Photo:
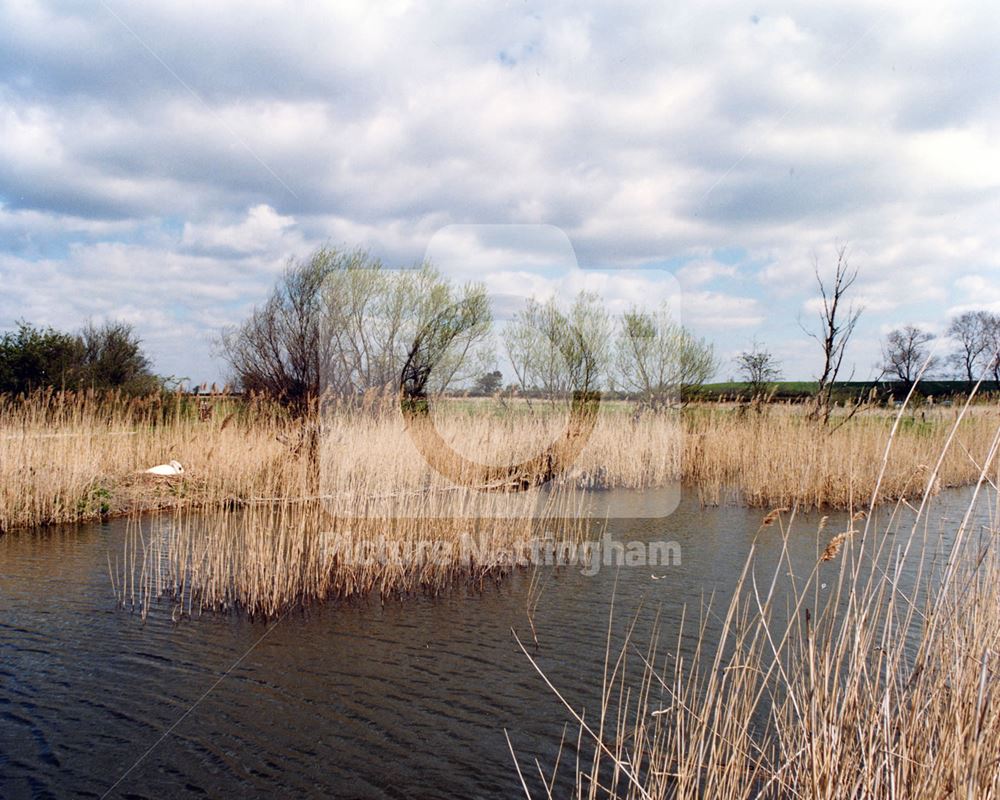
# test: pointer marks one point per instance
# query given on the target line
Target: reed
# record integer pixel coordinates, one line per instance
(874, 675)
(69, 458)
(267, 558)
(781, 459)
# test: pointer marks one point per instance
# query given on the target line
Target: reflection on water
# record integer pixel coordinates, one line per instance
(362, 700)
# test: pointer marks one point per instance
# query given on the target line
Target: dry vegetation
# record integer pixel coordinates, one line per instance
(270, 557)
(781, 459)
(66, 458)
(873, 676)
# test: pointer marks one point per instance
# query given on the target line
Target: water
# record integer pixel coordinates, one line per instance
(360, 700)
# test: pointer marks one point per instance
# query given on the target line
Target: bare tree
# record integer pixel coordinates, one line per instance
(905, 353)
(277, 350)
(660, 360)
(759, 368)
(971, 332)
(837, 324)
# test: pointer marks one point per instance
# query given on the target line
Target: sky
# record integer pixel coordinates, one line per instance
(162, 161)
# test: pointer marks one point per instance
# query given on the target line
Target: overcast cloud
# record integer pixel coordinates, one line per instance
(162, 160)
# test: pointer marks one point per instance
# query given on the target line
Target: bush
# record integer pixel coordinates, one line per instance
(103, 358)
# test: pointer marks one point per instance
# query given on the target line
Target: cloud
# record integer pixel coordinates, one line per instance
(698, 273)
(161, 159)
(263, 231)
(715, 310)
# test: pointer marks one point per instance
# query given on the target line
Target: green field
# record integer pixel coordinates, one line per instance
(801, 390)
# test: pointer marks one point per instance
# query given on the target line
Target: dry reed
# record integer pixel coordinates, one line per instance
(68, 458)
(874, 676)
(269, 557)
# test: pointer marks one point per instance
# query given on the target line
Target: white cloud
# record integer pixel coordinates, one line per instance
(263, 231)
(716, 310)
(698, 273)
(648, 135)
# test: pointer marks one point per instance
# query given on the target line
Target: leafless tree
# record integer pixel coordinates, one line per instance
(277, 350)
(759, 368)
(971, 332)
(838, 320)
(906, 352)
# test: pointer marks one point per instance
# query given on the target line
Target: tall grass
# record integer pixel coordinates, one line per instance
(874, 675)
(781, 459)
(269, 557)
(66, 458)
(70, 457)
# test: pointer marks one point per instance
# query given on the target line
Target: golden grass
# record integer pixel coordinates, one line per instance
(781, 459)
(70, 458)
(874, 676)
(66, 458)
(267, 558)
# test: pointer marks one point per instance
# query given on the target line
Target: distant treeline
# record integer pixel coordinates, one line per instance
(108, 357)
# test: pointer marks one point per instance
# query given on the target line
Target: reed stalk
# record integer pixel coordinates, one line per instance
(874, 675)
(72, 458)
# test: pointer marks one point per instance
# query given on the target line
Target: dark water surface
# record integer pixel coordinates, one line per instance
(406, 699)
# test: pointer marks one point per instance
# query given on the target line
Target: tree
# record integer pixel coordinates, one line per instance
(759, 369)
(372, 316)
(837, 325)
(341, 323)
(113, 359)
(277, 351)
(488, 383)
(33, 358)
(556, 352)
(435, 339)
(971, 332)
(993, 347)
(906, 352)
(589, 350)
(660, 360)
(109, 357)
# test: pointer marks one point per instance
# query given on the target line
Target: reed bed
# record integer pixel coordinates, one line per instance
(69, 458)
(268, 558)
(782, 460)
(875, 675)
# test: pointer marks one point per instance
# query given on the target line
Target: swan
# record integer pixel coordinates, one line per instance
(173, 468)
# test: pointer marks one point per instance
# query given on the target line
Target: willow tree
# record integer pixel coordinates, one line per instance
(556, 352)
(658, 359)
(342, 323)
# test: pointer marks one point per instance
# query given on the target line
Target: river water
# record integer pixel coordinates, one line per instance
(404, 699)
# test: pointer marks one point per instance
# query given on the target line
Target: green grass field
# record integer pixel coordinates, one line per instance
(800, 390)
